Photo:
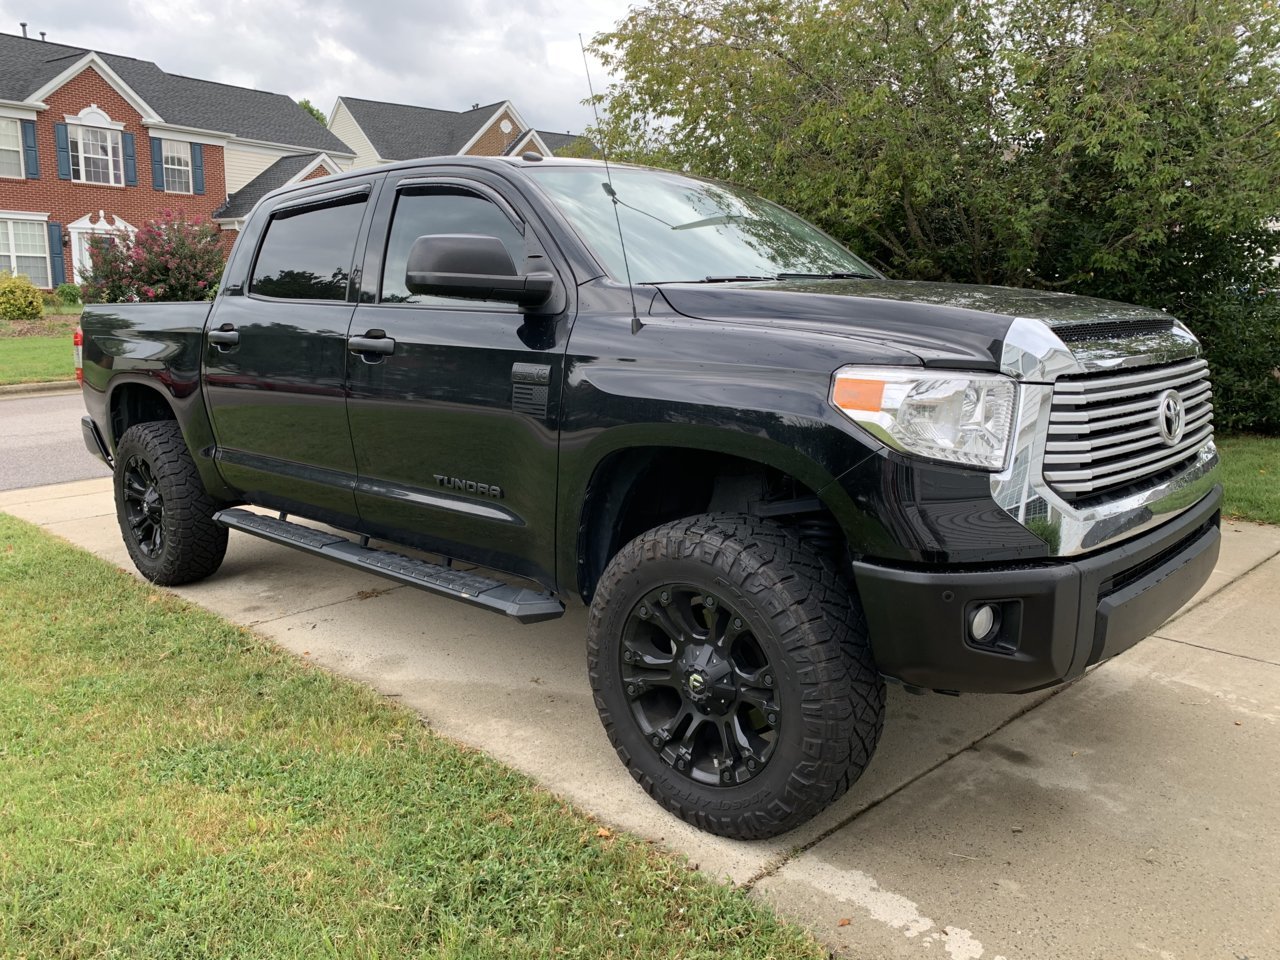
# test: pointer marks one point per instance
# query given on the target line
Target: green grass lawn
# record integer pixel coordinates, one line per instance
(174, 786)
(36, 359)
(1251, 477)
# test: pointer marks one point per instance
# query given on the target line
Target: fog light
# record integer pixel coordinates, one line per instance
(983, 623)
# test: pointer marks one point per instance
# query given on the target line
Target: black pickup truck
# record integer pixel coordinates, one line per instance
(778, 478)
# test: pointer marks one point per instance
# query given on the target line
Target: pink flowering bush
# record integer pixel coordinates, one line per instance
(169, 258)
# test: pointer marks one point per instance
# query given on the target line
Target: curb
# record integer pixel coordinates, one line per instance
(17, 390)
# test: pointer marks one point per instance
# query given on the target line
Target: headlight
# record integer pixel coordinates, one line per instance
(956, 417)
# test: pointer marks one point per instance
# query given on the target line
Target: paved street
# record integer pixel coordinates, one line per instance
(1132, 814)
(40, 441)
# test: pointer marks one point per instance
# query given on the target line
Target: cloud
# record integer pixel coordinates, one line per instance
(434, 54)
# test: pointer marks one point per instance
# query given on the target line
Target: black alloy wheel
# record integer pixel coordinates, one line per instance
(701, 687)
(732, 672)
(143, 507)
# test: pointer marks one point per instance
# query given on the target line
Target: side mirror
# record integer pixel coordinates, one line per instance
(472, 267)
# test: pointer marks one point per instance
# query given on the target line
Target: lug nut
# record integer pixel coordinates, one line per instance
(737, 623)
(665, 597)
(709, 603)
(644, 612)
(657, 741)
(726, 776)
(680, 764)
(631, 689)
(768, 679)
(751, 764)
(773, 718)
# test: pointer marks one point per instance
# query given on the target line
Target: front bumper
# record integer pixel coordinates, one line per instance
(1056, 618)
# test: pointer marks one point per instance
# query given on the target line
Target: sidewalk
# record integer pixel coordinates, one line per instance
(1131, 814)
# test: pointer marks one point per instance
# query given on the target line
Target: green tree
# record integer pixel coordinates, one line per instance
(1123, 149)
(315, 111)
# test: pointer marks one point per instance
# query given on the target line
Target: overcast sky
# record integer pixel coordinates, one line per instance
(434, 54)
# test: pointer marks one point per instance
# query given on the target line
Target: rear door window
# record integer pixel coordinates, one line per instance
(307, 253)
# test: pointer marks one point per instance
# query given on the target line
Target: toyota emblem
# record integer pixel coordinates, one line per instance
(1171, 416)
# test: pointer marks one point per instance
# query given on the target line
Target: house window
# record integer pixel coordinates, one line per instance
(177, 166)
(96, 155)
(10, 148)
(24, 249)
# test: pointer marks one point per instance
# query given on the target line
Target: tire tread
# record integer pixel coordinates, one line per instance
(194, 544)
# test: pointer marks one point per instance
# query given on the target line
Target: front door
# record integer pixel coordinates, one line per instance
(455, 430)
(276, 362)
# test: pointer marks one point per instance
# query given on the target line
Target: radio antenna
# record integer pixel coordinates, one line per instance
(608, 188)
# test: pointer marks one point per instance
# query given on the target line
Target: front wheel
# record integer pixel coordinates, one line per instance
(165, 514)
(731, 669)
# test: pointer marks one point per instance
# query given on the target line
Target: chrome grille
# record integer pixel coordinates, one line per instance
(1105, 431)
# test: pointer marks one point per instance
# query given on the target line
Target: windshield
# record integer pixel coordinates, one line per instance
(678, 228)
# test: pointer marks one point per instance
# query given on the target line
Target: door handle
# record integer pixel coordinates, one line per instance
(375, 341)
(225, 336)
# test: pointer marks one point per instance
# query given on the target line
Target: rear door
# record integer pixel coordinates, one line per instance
(456, 429)
(276, 358)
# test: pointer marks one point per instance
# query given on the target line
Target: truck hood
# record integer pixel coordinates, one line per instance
(944, 324)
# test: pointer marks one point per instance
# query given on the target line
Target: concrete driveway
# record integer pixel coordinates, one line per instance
(1132, 814)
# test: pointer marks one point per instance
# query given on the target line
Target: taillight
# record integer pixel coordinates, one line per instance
(77, 340)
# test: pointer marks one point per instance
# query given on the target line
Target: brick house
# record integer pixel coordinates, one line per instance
(386, 132)
(91, 142)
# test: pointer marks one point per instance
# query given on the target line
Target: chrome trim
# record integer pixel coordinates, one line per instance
(1034, 355)
(1178, 426)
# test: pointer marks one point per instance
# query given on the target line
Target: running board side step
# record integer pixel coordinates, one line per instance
(519, 603)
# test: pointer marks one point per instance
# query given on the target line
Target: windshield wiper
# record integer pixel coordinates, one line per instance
(731, 279)
(710, 221)
(834, 275)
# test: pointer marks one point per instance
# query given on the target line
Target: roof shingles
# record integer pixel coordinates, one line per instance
(183, 101)
(399, 131)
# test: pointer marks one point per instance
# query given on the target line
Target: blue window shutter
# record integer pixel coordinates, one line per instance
(31, 160)
(157, 164)
(57, 265)
(64, 151)
(197, 168)
(130, 160)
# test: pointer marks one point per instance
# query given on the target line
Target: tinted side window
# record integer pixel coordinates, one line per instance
(425, 211)
(306, 254)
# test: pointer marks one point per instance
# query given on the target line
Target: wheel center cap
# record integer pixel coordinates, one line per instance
(708, 678)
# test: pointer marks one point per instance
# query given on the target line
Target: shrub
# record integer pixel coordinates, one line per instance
(169, 258)
(19, 298)
(1241, 336)
(68, 294)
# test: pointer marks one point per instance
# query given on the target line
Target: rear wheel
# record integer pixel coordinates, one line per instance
(165, 515)
(731, 670)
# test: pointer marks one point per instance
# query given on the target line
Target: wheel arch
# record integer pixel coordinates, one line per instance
(134, 399)
(630, 488)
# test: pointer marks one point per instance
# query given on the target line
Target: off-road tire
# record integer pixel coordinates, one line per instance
(807, 622)
(191, 545)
